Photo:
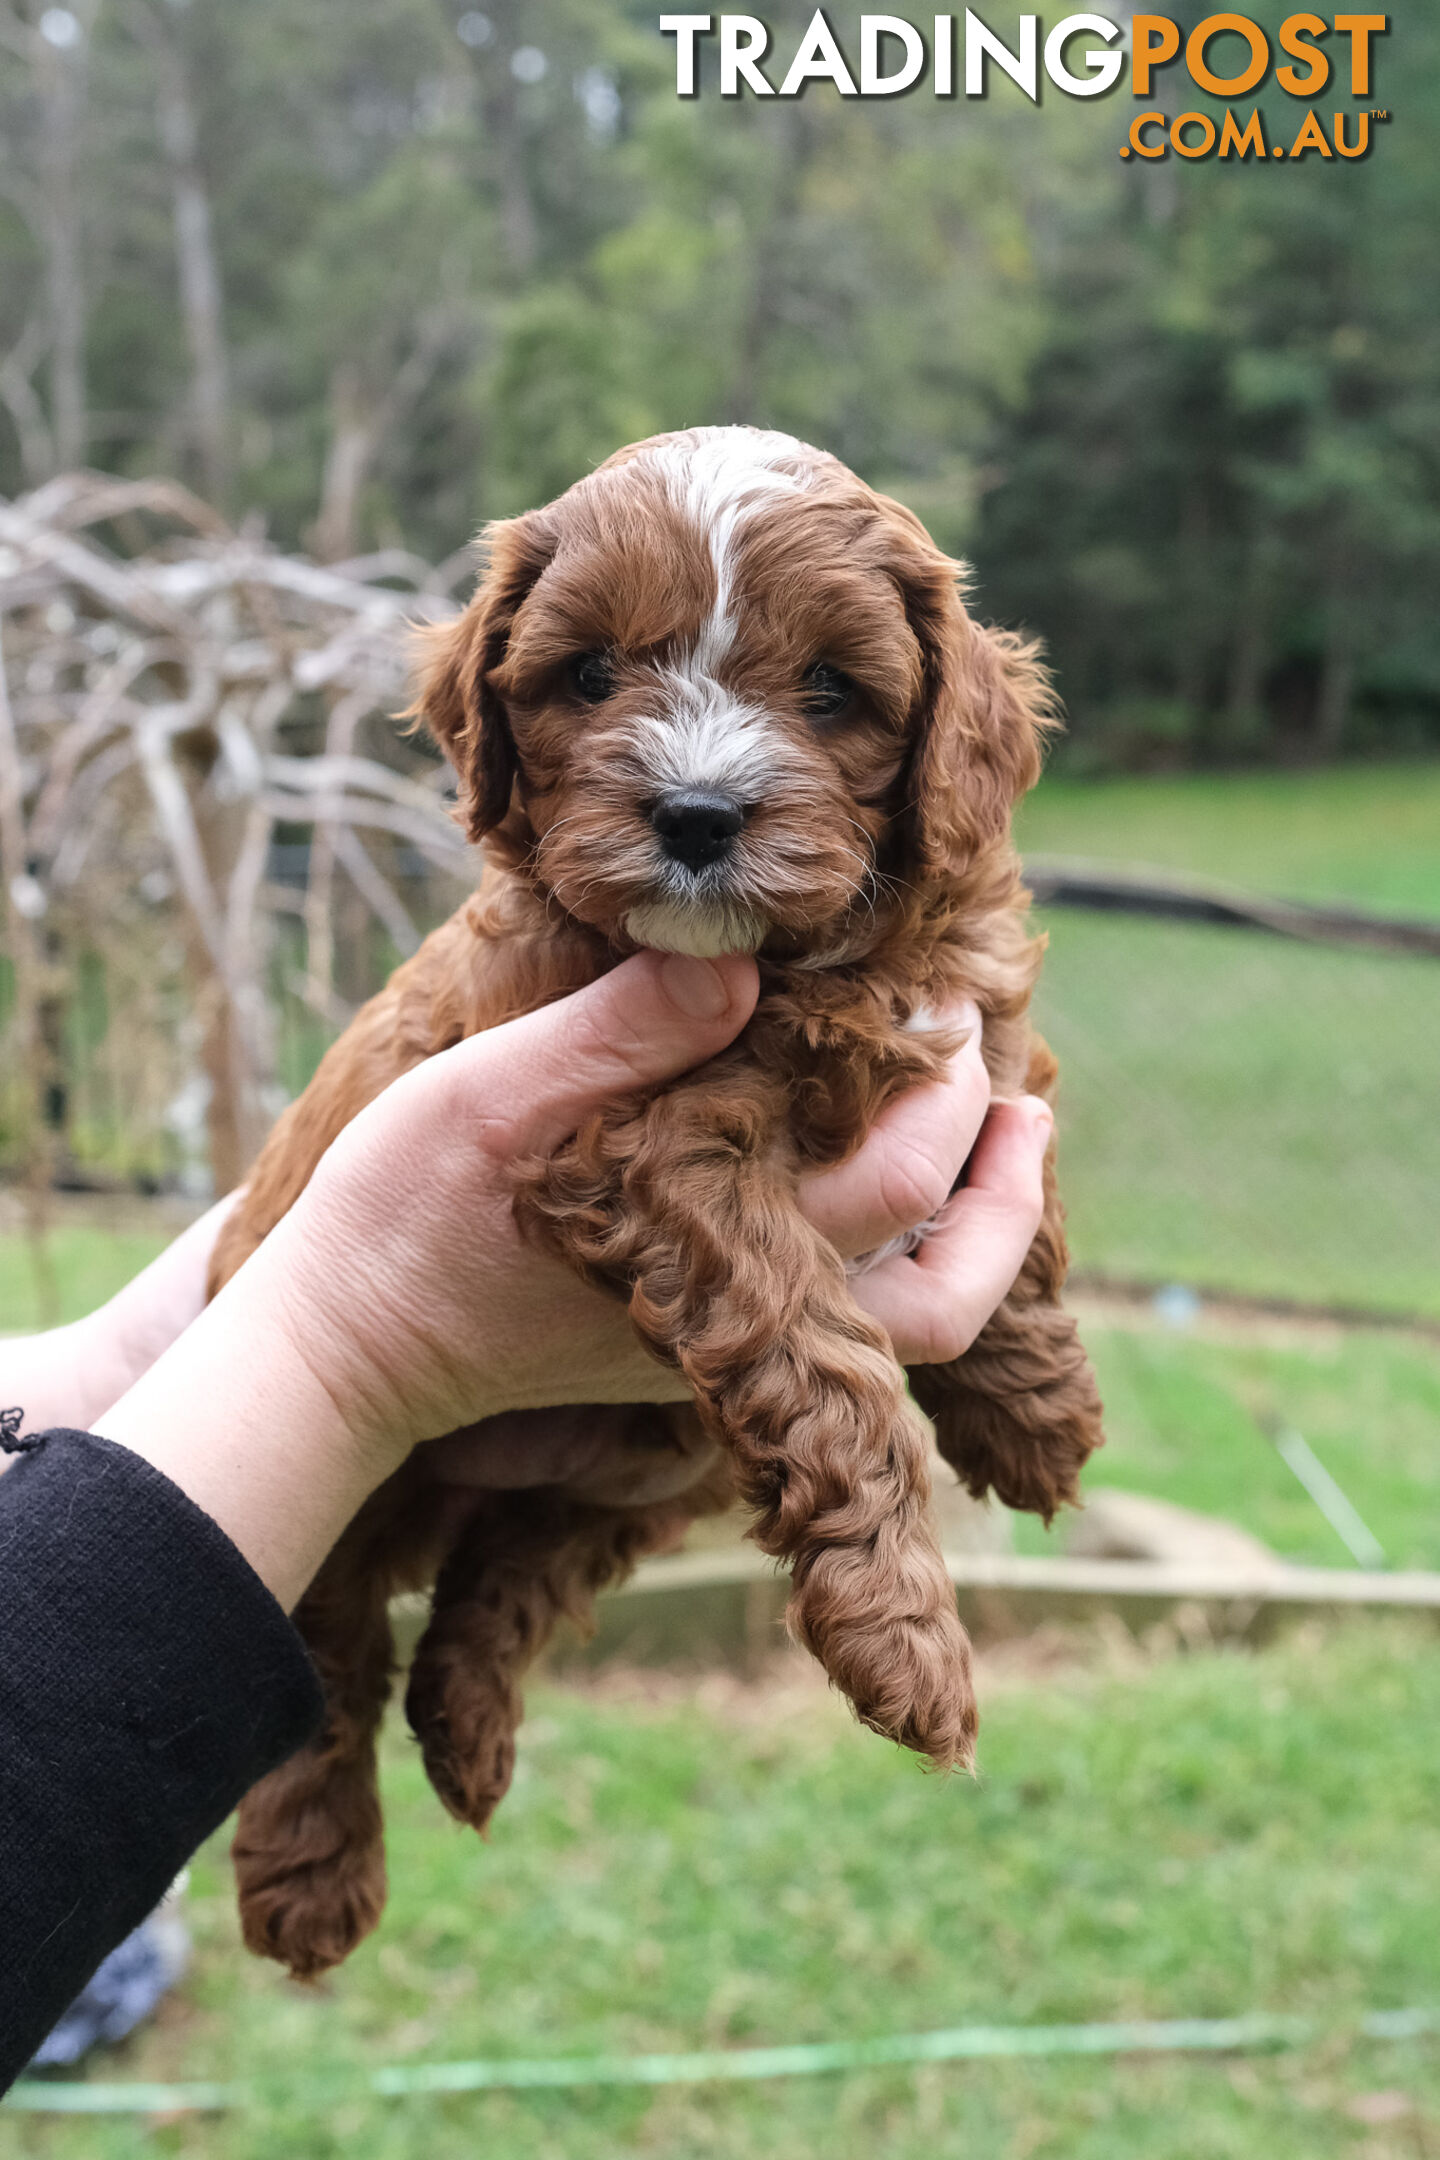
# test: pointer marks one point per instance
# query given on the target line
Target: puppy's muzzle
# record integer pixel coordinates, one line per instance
(697, 826)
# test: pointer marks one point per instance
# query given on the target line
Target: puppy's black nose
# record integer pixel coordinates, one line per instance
(697, 825)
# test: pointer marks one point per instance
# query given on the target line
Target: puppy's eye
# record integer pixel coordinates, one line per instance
(592, 675)
(824, 691)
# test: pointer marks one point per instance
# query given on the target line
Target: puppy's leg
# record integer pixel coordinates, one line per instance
(527, 1559)
(691, 1205)
(1020, 1412)
(309, 1851)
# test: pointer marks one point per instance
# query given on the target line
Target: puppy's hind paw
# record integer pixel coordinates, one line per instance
(309, 1917)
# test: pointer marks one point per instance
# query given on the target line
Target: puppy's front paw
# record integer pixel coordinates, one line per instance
(1020, 1413)
(466, 1729)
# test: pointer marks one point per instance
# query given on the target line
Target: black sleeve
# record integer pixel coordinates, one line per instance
(147, 1679)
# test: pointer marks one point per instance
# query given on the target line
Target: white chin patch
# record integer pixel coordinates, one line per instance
(704, 929)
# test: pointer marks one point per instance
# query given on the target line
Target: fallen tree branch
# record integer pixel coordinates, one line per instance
(160, 727)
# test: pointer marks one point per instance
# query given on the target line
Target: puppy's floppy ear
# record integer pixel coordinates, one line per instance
(984, 708)
(458, 700)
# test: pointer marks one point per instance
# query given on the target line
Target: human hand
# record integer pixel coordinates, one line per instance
(933, 1304)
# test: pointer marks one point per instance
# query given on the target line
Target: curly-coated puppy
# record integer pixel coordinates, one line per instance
(719, 697)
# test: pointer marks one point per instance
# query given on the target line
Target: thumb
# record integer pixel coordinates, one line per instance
(649, 1019)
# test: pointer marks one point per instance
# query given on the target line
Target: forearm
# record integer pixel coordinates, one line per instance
(234, 1414)
(58, 1378)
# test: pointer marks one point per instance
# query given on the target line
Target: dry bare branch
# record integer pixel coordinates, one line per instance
(172, 718)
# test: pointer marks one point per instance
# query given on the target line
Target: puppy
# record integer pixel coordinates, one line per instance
(719, 697)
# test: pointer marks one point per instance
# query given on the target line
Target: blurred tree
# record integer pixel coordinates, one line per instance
(41, 155)
(155, 24)
(1221, 499)
(384, 289)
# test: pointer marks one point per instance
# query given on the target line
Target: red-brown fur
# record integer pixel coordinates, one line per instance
(684, 1201)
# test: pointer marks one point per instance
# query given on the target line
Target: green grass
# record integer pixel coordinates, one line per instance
(1238, 1111)
(1190, 1837)
(1186, 1420)
(1361, 833)
(1247, 1114)
(90, 1264)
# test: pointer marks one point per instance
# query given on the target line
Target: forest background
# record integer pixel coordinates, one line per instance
(372, 271)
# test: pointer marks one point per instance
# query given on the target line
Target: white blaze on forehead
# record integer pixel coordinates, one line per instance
(717, 478)
(703, 735)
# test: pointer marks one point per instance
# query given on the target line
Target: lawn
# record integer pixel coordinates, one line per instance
(1149, 1838)
(1237, 1111)
(1187, 1419)
(1364, 834)
(90, 1262)
(1245, 1114)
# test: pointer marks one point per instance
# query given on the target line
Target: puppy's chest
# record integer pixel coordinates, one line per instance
(833, 1073)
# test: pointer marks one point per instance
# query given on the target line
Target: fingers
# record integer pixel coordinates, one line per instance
(651, 1018)
(936, 1304)
(916, 1150)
